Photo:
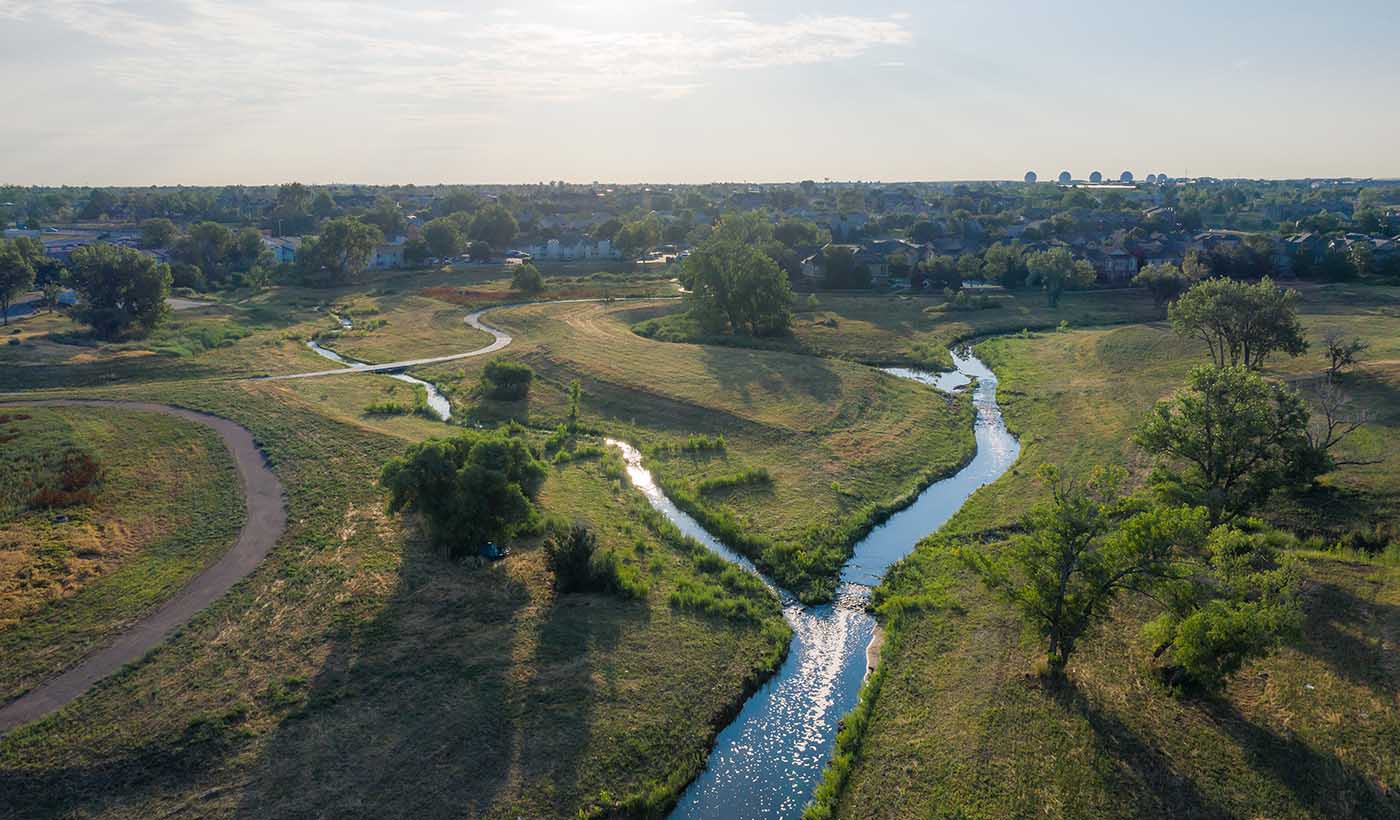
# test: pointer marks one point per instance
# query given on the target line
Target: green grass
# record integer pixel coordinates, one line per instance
(168, 504)
(961, 726)
(355, 649)
(842, 443)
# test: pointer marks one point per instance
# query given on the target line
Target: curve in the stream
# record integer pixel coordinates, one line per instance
(266, 518)
(768, 761)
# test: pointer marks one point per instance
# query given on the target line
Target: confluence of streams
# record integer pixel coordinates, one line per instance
(768, 761)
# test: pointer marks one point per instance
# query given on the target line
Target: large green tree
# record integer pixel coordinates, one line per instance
(158, 232)
(16, 276)
(444, 237)
(1056, 271)
(1241, 323)
(494, 225)
(470, 489)
(1164, 281)
(1229, 440)
(340, 253)
(737, 286)
(122, 291)
(637, 237)
(1079, 551)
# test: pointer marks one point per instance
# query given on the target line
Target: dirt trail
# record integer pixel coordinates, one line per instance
(266, 518)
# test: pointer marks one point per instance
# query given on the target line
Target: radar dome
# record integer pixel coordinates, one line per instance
(1096, 177)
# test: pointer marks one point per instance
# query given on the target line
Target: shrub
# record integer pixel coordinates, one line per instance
(527, 279)
(577, 565)
(471, 489)
(748, 478)
(505, 380)
(698, 443)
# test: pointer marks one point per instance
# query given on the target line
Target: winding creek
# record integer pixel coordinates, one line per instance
(768, 761)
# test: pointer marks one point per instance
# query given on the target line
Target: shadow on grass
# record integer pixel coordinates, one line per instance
(1321, 782)
(739, 369)
(1358, 654)
(465, 692)
(1146, 776)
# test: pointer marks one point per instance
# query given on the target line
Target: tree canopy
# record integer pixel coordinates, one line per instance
(493, 225)
(736, 286)
(340, 253)
(1056, 271)
(16, 276)
(1164, 281)
(1082, 548)
(470, 489)
(1229, 440)
(1241, 323)
(527, 279)
(123, 290)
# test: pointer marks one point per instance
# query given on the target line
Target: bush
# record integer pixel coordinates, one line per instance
(471, 489)
(505, 380)
(577, 565)
(748, 478)
(698, 443)
(527, 279)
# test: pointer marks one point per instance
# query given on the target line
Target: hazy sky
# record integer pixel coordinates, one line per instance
(207, 92)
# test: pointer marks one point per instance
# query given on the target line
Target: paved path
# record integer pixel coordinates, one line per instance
(499, 340)
(266, 519)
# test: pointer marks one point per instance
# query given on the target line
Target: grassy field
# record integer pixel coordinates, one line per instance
(166, 504)
(912, 330)
(961, 728)
(456, 685)
(840, 441)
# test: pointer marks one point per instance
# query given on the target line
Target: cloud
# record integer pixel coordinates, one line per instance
(262, 55)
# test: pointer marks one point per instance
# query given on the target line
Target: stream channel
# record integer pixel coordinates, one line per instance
(768, 761)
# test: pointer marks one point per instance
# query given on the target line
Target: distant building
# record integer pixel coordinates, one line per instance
(1066, 177)
(283, 248)
(1096, 177)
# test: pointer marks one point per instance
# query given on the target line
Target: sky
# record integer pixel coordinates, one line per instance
(201, 92)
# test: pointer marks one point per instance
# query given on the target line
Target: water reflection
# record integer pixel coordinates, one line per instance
(767, 762)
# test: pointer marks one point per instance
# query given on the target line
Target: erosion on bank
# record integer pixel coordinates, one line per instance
(114, 510)
(959, 727)
(462, 685)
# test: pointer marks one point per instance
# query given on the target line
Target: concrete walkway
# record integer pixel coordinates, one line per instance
(266, 519)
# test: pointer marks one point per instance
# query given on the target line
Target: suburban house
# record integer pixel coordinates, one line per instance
(572, 247)
(283, 248)
(386, 255)
(1115, 266)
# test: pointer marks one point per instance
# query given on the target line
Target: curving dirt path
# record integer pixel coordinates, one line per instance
(266, 519)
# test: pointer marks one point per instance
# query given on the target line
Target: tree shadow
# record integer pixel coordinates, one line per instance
(1147, 776)
(737, 370)
(1360, 658)
(413, 707)
(1322, 782)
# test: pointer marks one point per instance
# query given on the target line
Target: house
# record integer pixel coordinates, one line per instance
(572, 247)
(844, 226)
(283, 248)
(1115, 266)
(386, 255)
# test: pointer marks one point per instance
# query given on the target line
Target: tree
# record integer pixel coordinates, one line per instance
(636, 238)
(470, 489)
(100, 203)
(1238, 602)
(206, 247)
(1080, 550)
(1056, 270)
(939, 273)
(16, 276)
(1341, 351)
(340, 253)
(925, 231)
(494, 225)
(416, 252)
(1228, 441)
(387, 217)
(123, 290)
(479, 251)
(737, 286)
(323, 206)
(158, 233)
(794, 232)
(575, 404)
(1242, 324)
(504, 380)
(1004, 264)
(52, 290)
(1362, 257)
(607, 229)
(527, 279)
(444, 237)
(1164, 281)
